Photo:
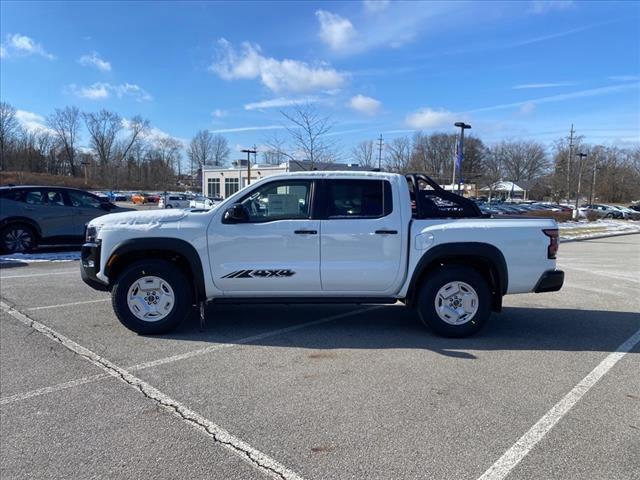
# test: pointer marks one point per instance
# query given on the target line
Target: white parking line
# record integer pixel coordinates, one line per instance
(182, 356)
(66, 272)
(254, 457)
(525, 444)
(68, 304)
(616, 275)
(54, 388)
(242, 341)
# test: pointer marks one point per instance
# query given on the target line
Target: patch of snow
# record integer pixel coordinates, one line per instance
(40, 257)
(584, 229)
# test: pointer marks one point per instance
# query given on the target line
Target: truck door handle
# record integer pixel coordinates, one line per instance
(386, 232)
(305, 232)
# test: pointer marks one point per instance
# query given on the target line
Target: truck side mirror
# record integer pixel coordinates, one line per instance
(237, 213)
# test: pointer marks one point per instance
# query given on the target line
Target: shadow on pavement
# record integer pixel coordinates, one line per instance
(389, 327)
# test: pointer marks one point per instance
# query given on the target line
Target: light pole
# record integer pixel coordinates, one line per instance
(249, 151)
(593, 181)
(85, 164)
(581, 156)
(457, 162)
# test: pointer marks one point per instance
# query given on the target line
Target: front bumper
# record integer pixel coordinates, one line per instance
(90, 266)
(550, 281)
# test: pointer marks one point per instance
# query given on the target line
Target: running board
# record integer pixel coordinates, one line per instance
(308, 300)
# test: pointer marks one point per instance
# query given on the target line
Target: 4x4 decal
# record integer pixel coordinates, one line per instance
(260, 273)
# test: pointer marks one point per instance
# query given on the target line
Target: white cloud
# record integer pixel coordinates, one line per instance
(17, 45)
(594, 92)
(542, 85)
(280, 102)
(93, 60)
(335, 31)
(247, 129)
(375, 6)
(527, 108)
(31, 122)
(539, 7)
(429, 118)
(217, 113)
(366, 105)
(625, 78)
(103, 90)
(277, 75)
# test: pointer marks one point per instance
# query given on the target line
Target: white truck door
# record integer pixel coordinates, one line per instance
(277, 248)
(362, 235)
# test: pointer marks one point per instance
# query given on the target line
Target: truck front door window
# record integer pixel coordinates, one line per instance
(279, 201)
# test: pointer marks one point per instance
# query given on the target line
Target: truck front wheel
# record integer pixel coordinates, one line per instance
(151, 297)
(454, 301)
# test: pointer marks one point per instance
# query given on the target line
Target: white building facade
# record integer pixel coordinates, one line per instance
(225, 181)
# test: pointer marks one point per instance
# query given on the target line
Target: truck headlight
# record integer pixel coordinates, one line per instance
(91, 234)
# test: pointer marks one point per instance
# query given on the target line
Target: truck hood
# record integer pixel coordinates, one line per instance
(145, 219)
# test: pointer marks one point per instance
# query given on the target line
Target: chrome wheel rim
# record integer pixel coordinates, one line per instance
(18, 240)
(456, 303)
(150, 299)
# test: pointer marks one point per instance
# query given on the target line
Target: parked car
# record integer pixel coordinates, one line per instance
(205, 202)
(144, 198)
(627, 213)
(35, 215)
(603, 211)
(173, 201)
(349, 237)
(116, 197)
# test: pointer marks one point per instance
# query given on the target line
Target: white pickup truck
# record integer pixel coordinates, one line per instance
(322, 237)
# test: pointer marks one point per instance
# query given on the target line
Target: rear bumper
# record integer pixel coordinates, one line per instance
(90, 266)
(550, 281)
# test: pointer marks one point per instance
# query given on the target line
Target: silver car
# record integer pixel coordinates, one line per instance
(36, 215)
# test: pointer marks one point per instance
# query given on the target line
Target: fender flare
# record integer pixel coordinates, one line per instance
(484, 252)
(164, 245)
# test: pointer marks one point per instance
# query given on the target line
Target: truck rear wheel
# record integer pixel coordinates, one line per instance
(454, 301)
(151, 297)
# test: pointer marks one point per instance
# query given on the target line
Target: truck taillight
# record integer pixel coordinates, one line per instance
(553, 235)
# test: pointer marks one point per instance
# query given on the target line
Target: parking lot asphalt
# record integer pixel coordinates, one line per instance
(325, 392)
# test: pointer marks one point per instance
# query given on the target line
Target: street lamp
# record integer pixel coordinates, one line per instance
(457, 161)
(249, 151)
(581, 156)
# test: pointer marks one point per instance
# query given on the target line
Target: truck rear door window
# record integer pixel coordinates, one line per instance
(358, 199)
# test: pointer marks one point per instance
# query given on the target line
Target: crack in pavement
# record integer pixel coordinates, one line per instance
(248, 453)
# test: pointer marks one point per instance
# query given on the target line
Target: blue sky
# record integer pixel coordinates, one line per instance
(512, 70)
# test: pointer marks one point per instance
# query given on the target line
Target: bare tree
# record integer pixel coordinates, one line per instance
(220, 150)
(399, 155)
(308, 130)
(103, 128)
(200, 149)
(363, 154)
(65, 124)
(492, 171)
(138, 128)
(9, 128)
(521, 160)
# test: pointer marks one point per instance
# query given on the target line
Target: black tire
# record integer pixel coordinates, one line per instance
(427, 297)
(18, 238)
(168, 272)
(169, 206)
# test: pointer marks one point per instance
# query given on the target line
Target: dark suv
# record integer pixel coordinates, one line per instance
(34, 215)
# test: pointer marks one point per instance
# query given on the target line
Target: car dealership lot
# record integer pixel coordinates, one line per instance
(324, 391)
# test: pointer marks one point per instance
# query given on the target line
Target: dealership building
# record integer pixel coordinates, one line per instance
(225, 181)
